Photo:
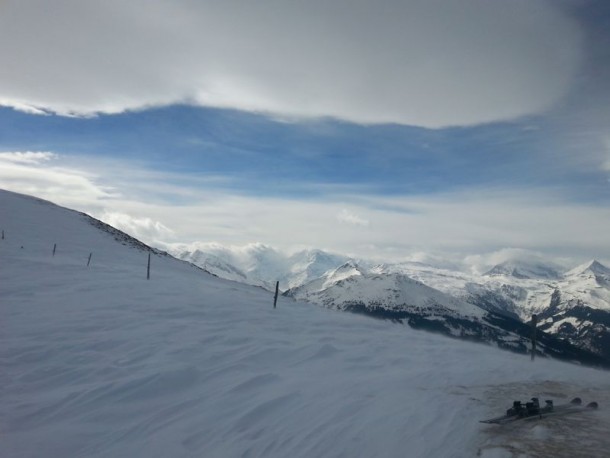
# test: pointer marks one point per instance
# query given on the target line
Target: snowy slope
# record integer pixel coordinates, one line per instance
(350, 284)
(517, 288)
(327, 279)
(215, 265)
(502, 292)
(589, 283)
(574, 306)
(579, 308)
(398, 298)
(100, 362)
(307, 265)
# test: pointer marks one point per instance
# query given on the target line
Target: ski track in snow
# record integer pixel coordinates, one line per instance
(100, 362)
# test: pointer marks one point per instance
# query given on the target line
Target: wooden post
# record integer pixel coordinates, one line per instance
(89, 260)
(148, 268)
(534, 322)
(277, 290)
(54, 248)
(2, 234)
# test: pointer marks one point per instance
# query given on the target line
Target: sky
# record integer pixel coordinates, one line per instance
(469, 130)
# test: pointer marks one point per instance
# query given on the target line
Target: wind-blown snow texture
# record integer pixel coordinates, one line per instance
(99, 362)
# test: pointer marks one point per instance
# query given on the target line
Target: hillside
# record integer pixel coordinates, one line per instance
(98, 361)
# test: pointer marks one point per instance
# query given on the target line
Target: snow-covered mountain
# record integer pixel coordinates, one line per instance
(397, 297)
(589, 283)
(516, 288)
(574, 306)
(215, 265)
(307, 265)
(504, 294)
(98, 361)
(259, 264)
(350, 285)
(579, 308)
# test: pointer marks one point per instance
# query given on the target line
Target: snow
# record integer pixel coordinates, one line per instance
(258, 264)
(98, 361)
(588, 283)
(349, 284)
(570, 320)
(534, 293)
(524, 287)
(591, 267)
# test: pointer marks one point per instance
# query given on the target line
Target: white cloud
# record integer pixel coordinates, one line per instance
(480, 263)
(430, 63)
(142, 228)
(451, 225)
(346, 216)
(23, 107)
(26, 157)
(42, 174)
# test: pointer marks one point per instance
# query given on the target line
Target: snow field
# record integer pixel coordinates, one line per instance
(100, 362)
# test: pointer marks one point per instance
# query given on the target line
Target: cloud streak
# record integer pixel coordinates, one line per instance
(453, 225)
(42, 174)
(26, 157)
(348, 217)
(425, 63)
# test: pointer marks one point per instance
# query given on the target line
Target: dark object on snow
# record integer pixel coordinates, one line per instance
(277, 290)
(532, 410)
(534, 323)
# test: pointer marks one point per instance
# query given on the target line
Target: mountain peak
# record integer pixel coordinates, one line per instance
(593, 266)
(349, 265)
(523, 270)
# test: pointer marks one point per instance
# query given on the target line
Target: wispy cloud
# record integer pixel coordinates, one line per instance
(25, 108)
(43, 175)
(482, 262)
(421, 63)
(145, 228)
(469, 222)
(26, 157)
(346, 216)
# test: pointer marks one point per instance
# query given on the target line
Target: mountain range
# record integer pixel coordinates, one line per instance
(572, 306)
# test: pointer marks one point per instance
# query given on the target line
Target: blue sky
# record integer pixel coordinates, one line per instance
(481, 128)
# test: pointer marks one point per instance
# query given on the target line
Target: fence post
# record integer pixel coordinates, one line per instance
(534, 322)
(2, 234)
(89, 260)
(54, 248)
(277, 289)
(148, 268)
